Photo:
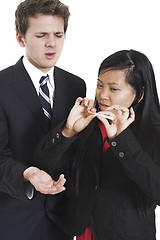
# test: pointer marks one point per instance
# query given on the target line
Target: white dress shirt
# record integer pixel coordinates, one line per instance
(35, 75)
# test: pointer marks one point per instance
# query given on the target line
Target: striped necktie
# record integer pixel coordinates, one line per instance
(44, 97)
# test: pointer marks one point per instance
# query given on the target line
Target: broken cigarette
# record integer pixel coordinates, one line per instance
(101, 115)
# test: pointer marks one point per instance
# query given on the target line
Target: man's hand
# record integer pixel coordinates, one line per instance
(43, 182)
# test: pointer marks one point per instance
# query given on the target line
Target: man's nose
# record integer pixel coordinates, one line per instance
(51, 41)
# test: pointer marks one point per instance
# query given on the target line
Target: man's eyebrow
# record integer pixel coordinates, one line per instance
(60, 32)
(40, 32)
(48, 32)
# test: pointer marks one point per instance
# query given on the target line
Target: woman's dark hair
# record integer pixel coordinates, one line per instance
(140, 75)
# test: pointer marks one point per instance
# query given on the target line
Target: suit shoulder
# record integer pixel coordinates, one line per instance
(69, 75)
(6, 71)
(10, 69)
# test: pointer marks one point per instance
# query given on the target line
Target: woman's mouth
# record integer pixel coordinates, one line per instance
(103, 107)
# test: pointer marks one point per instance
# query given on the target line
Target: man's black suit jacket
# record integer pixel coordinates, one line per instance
(22, 125)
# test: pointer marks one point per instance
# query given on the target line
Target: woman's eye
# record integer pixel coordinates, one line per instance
(99, 85)
(115, 89)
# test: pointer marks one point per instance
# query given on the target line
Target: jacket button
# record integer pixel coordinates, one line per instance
(114, 144)
(121, 154)
(57, 135)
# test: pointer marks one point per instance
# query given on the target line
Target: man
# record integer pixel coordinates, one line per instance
(24, 119)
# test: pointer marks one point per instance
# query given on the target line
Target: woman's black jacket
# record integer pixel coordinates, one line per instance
(110, 187)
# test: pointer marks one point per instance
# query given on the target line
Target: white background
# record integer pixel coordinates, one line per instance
(96, 29)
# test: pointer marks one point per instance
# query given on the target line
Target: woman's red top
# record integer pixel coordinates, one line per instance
(87, 235)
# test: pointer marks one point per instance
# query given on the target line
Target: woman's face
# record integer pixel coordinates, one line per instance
(113, 89)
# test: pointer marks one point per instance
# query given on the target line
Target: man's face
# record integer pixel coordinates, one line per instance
(43, 40)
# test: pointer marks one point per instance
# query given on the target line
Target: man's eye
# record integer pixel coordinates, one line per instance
(40, 36)
(59, 35)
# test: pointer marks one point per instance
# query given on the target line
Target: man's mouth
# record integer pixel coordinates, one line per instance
(50, 54)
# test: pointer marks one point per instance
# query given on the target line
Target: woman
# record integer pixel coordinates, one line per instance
(111, 166)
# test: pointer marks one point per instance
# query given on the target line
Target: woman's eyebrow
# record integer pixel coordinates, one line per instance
(99, 80)
(110, 83)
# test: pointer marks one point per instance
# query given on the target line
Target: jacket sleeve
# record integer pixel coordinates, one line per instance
(83, 94)
(137, 164)
(11, 172)
(51, 148)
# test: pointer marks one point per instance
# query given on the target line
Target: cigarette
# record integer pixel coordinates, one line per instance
(101, 115)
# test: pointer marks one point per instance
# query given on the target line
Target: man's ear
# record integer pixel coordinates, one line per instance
(20, 39)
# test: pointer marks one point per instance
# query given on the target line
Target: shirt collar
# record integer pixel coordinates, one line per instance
(35, 74)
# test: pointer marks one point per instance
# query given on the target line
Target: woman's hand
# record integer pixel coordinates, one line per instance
(123, 118)
(79, 118)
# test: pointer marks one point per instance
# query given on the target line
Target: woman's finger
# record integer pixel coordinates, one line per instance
(78, 100)
(90, 104)
(132, 116)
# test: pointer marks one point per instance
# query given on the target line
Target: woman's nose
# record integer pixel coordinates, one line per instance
(104, 94)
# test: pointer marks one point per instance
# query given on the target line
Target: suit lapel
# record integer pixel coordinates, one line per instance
(61, 107)
(25, 89)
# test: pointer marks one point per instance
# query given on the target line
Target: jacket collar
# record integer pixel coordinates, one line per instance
(23, 86)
